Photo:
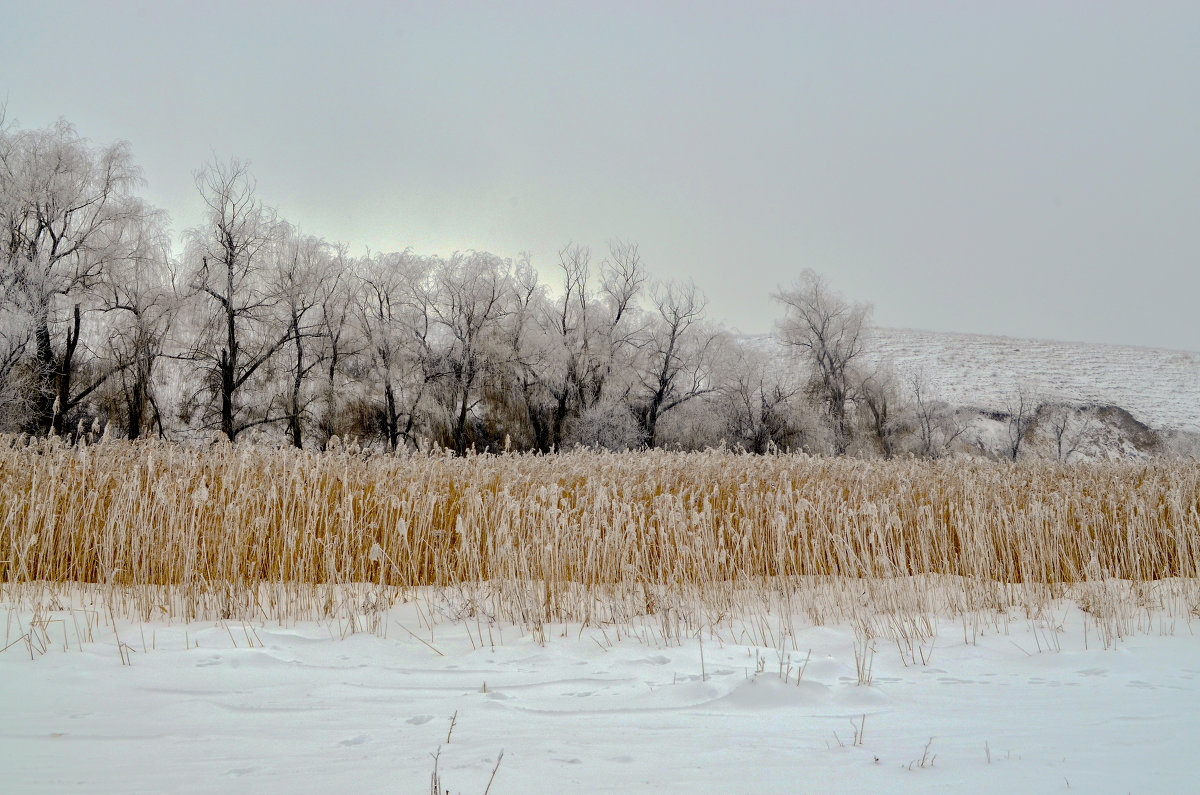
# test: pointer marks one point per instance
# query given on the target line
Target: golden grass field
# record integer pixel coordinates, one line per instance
(174, 531)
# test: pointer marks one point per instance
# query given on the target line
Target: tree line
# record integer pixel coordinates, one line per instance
(253, 329)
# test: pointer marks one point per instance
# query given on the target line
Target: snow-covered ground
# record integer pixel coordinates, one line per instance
(1159, 387)
(1022, 706)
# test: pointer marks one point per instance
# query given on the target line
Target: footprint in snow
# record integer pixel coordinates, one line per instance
(418, 720)
(357, 739)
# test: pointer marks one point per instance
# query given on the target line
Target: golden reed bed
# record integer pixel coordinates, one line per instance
(235, 520)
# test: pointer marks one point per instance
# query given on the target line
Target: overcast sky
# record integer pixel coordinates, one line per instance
(1029, 169)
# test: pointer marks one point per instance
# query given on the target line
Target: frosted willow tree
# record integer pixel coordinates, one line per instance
(677, 354)
(1021, 409)
(532, 389)
(341, 341)
(564, 327)
(236, 332)
(473, 298)
(937, 425)
(65, 208)
(883, 414)
(138, 298)
(828, 332)
(756, 403)
(16, 331)
(17, 385)
(566, 348)
(394, 310)
(602, 332)
(612, 331)
(306, 286)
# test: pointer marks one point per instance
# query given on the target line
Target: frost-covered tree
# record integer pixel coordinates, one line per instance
(676, 356)
(1021, 410)
(395, 310)
(1069, 426)
(304, 280)
(595, 331)
(17, 382)
(829, 333)
(567, 326)
(341, 341)
(139, 301)
(882, 414)
(530, 393)
(613, 328)
(229, 261)
(937, 425)
(572, 349)
(757, 402)
(65, 210)
(473, 298)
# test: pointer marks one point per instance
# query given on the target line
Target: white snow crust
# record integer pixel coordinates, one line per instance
(1020, 706)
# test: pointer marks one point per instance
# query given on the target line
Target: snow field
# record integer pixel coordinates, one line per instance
(993, 703)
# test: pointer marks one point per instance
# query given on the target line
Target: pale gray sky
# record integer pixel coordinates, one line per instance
(1020, 168)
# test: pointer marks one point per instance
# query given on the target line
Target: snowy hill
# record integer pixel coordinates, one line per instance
(1160, 388)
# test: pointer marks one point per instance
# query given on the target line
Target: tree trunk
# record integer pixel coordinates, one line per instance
(44, 408)
(391, 418)
(229, 358)
(460, 428)
(62, 377)
(227, 396)
(650, 423)
(329, 416)
(136, 404)
(294, 428)
(560, 416)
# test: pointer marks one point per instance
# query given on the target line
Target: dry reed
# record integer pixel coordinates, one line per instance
(584, 536)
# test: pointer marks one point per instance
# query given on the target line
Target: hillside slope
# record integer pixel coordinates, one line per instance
(1160, 388)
